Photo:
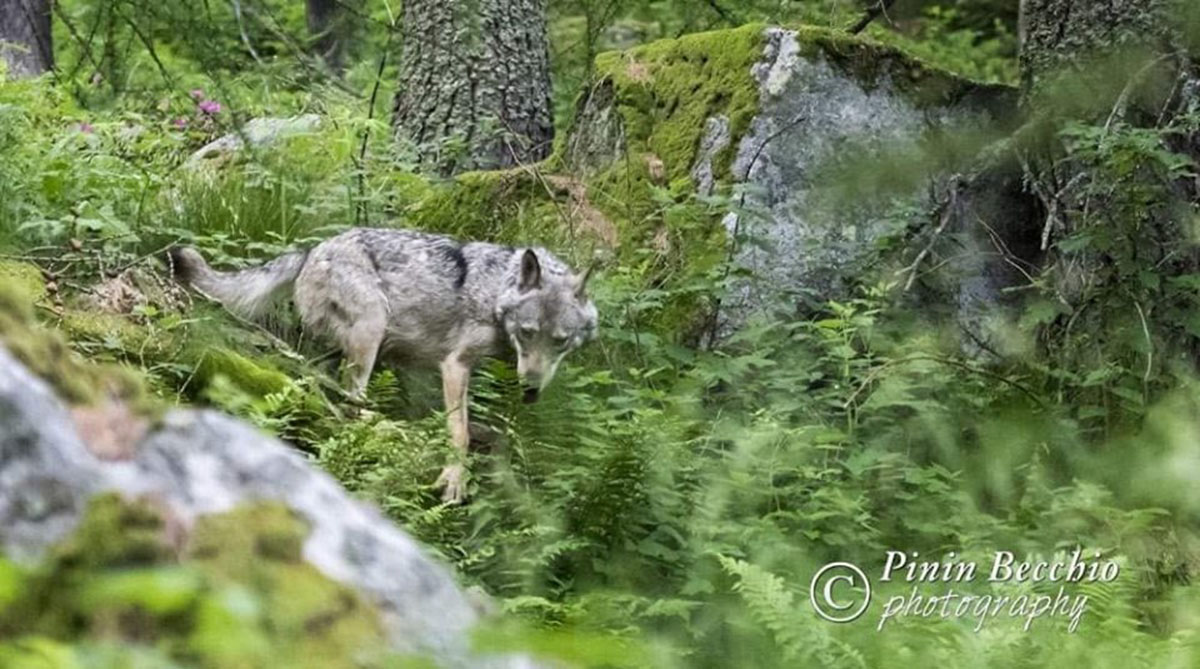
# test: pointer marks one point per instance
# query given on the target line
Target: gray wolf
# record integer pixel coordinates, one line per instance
(418, 298)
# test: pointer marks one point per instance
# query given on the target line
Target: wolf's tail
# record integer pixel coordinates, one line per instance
(248, 293)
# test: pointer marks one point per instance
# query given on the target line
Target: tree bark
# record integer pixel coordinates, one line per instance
(25, 37)
(1097, 44)
(1117, 69)
(474, 84)
(327, 25)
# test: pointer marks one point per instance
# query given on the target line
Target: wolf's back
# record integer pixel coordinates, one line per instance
(247, 293)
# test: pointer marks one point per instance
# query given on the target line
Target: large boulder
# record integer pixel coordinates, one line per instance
(764, 116)
(196, 471)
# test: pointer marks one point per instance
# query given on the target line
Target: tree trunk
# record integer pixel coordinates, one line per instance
(1105, 69)
(1111, 85)
(474, 84)
(1094, 44)
(25, 37)
(327, 24)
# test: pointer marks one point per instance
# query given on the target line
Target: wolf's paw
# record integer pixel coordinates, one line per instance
(454, 480)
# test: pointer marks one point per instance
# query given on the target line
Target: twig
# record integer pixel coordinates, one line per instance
(361, 214)
(267, 20)
(1006, 253)
(237, 12)
(87, 45)
(1122, 101)
(162, 69)
(880, 8)
(720, 11)
(1149, 348)
(737, 221)
(85, 48)
(875, 373)
(532, 169)
(948, 211)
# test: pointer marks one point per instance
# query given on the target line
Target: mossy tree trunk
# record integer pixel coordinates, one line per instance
(1092, 37)
(1110, 86)
(1109, 62)
(25, 43)
(474, 84)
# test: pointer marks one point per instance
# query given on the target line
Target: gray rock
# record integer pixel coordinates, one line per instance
(600, 138)
(203, 462)
(826, 100)
(258, 132)
(812, 112)
(716, 138)
(46, 473)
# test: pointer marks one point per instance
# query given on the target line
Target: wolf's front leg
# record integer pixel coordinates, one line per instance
(456, 376)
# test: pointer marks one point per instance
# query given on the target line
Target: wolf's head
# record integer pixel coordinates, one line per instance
(546, 314)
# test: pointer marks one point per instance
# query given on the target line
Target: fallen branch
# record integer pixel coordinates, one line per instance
(948, 211)
(879, 9)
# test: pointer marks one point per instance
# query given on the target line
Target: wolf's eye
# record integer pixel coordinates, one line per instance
(561, 341)
(528, 331)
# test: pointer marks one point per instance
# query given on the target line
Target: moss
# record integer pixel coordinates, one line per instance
(314, 622)
(24, 280)
(501, 205)
(116, 533)
(47, 355)
(251, 376)
(238, 595)
(871, 63)
(116, 333)
(666, 90)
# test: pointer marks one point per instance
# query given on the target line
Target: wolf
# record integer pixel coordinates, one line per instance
(410, 297)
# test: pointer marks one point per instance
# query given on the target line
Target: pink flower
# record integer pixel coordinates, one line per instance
(181, 123)
(86, 128)
(197, 93)
(210, 106)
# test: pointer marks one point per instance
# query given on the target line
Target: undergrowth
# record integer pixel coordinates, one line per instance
(671, 496)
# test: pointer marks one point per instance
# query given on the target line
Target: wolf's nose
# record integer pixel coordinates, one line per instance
(530, 396)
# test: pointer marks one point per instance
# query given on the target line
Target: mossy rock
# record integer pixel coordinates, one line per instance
(314, 621)
(872, 63)
(254, 377)
(665, 91)
(47, 354)
(503, 205)
(237, 595)
(23, 280)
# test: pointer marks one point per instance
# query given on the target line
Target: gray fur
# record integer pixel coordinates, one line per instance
(423, 299)
(248, 294)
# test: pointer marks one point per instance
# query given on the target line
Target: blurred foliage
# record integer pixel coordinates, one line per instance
(665, 504)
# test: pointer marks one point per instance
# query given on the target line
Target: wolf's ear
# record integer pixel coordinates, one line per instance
(581, 283)
(531, 271)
